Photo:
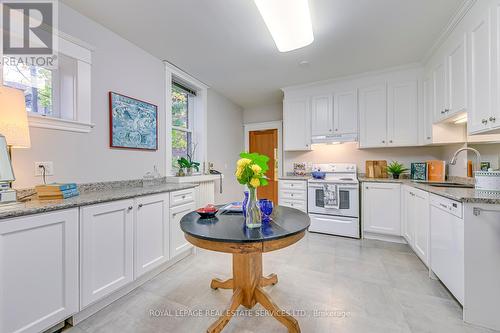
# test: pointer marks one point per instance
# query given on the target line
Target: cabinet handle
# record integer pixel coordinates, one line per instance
(383, 141)
(428, 138)
(443, 112)
(336, 130)
(446, 110)
(330, 129)
(390, 141)
(493, 119)
(183, 197)
(140, 205)
(130, 208)
(484, 121)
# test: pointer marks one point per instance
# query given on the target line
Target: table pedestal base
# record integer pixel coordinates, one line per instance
(247, 283)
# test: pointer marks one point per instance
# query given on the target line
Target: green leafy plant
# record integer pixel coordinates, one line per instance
(395, 168)
(184, 163)
(251, 169)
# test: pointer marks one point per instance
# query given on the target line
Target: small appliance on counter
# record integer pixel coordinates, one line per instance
(333, 202)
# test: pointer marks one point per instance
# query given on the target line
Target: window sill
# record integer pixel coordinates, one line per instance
(59, 124)
(193, 179)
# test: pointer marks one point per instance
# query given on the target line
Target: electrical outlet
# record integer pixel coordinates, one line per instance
(49, 168)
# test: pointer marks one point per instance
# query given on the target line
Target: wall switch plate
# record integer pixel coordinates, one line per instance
(49, 168)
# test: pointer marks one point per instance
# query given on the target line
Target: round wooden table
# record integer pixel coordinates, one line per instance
(227, 233)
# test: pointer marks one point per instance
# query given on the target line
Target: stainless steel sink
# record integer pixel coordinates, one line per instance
(453, 185)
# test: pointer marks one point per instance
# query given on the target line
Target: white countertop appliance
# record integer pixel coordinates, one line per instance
(333, 202)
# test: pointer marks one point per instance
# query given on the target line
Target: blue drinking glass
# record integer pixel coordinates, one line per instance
(266, 207)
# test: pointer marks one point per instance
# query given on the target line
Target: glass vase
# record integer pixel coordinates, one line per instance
(253, 218)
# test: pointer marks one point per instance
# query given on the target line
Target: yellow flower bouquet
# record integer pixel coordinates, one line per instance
(250, 171)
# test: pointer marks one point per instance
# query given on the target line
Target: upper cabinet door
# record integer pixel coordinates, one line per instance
(345, 112)
(439, 83)
(373, 116)
(428, 101)
(296, 124)
(321, 115)
(481, 69)
(402, 113)
(457, 79)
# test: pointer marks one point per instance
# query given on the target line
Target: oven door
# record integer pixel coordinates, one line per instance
(349, 200)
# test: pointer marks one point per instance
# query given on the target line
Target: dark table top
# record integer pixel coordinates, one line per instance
(231, 228)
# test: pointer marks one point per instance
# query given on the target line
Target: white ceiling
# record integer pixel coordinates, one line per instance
(226, 44)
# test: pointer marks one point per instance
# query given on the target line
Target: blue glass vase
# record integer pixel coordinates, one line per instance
(244, 204)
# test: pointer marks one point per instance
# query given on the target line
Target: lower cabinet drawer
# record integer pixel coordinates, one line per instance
(293, 185)
(300, 205)
(181, 197)
(293, 195)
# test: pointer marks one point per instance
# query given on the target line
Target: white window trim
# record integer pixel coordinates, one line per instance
(82, 53)
(199, 130)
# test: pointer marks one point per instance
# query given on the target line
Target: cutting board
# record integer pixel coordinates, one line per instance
(376, 169)
(436, 171)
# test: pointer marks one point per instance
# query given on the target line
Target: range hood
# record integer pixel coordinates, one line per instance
(348, 137)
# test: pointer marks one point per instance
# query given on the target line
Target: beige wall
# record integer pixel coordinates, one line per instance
(264, 113)
(349, 153)
(225, 137)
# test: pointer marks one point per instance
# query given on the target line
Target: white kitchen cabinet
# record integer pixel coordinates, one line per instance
(480, 77)
(415, 221)
(402, 113)
(106, 249)
(381, 211)
(428, 111)
(345, 112)
(296, 124)
(152, 239)
(373, 116)
(408, 211)
(293, 193)
(38, 271)
(457, 78)
(321, 115)
(178, 243)
(439, 85)
(447, 244)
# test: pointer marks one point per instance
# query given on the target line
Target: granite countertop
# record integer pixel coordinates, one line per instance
(86, 198)
(466, 195)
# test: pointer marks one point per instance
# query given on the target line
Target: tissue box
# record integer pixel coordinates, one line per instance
(487, 180)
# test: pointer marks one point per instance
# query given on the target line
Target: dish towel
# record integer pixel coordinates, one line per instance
(331, 196)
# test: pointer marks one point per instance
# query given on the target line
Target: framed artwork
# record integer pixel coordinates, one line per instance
(133, 124)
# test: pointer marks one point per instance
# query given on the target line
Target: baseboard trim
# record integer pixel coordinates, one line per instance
(385, 238)
(99, 305)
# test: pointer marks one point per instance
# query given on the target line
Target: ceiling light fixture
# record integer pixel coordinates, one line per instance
(289, 22)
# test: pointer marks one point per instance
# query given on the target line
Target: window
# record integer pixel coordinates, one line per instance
(182, 122)
(36, 82)
(56, 98)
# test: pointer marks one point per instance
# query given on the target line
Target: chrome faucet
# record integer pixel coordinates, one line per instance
(478, 156)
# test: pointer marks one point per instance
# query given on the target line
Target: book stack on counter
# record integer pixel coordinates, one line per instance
(56, 191)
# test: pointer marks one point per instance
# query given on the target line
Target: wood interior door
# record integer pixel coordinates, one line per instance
(266, 143)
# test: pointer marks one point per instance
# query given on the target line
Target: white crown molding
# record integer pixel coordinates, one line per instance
(413, 65)
(449, 28)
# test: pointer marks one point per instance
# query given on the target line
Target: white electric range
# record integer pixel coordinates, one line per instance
(341, 221)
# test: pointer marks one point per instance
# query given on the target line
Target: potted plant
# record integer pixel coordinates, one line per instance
(395, 169)
(187, 163)
(250, 171)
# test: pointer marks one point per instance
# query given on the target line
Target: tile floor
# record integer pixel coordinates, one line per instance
(332, 284)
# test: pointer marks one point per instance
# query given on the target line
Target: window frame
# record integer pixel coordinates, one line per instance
(197, 116)
(81, 52)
